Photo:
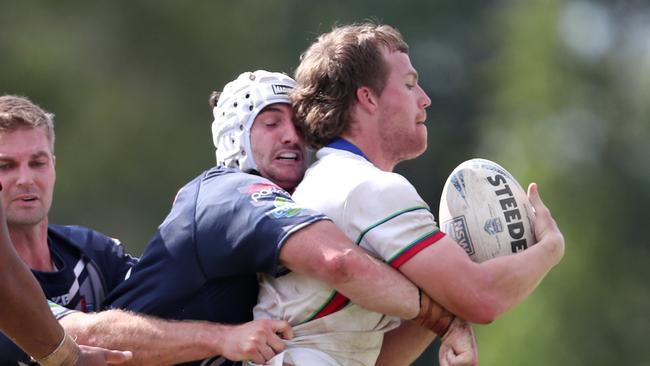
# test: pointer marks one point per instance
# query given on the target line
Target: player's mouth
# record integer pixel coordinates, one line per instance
(289, 156)
(25, 198)
(421, 119)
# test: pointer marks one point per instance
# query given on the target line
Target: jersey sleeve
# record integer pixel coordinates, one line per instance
(393, 221)
(112, 258)
(242, 221)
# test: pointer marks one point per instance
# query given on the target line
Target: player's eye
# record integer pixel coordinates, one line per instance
(37, 163)
(6, 166)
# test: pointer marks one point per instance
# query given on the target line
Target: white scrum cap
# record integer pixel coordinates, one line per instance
(240, 102)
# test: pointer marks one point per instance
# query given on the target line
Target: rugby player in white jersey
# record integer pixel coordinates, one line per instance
(358, 100)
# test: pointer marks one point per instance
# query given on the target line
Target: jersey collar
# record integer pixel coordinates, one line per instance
(343, 144)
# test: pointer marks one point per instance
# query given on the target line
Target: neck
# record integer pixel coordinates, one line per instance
(30, 242)
(370, 144)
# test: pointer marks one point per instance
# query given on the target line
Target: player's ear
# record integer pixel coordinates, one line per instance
(367, 99)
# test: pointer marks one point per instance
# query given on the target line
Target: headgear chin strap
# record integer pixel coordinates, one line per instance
(240, 102)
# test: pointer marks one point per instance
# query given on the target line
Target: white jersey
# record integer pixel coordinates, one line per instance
(381, 212)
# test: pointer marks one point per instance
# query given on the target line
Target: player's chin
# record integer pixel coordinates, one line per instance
(289, 176)
(419, 146)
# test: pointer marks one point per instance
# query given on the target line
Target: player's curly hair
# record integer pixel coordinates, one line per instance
(18, 112)
(331, 71)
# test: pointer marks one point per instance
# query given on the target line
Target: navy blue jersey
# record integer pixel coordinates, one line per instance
(224, 227)
(88, 266)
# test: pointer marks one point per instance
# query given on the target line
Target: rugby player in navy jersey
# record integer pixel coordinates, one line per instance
(238, 219)
(24, 310)
(76, 267)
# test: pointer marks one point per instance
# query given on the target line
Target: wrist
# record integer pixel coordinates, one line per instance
(65, 354)
(214, 338)
(433, 316)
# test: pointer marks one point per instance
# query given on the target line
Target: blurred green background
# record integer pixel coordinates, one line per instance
(558, 92)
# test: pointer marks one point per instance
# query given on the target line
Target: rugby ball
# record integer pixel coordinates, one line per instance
(485, 210)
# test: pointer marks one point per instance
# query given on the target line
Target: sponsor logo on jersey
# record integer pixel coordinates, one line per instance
(260, 191)
(284, 208)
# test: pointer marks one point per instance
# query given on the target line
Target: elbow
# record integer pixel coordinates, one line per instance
(485, 315)
(484, 308)
(339, 269)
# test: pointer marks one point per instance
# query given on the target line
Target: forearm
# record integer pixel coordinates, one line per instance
(510, 279)
(513, 278)
(481, 292)
(322, 251)
(377, 287)
(473, 291)
(403, 345)
(25, 308)
(153, 341)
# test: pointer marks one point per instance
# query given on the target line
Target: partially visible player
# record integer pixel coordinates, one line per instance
(76, 267)
(358, 100)
(238, 219)
(27, 320)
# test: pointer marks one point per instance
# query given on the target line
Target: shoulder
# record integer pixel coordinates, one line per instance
(354, 169)
(227, 183)
(386, 186)
(229, 177)
(374, 196)
(80, 237)
(214, 192)
(335, 174)
(383, 194)
(99, 247)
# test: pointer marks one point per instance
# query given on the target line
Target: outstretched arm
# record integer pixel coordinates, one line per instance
(156, 341)
(479, 292)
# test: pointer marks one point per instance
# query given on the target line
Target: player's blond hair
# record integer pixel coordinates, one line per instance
(331, 71)
(17, 112)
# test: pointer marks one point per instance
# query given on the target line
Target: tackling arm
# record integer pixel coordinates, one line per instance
(322, 251)
(156, 341)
